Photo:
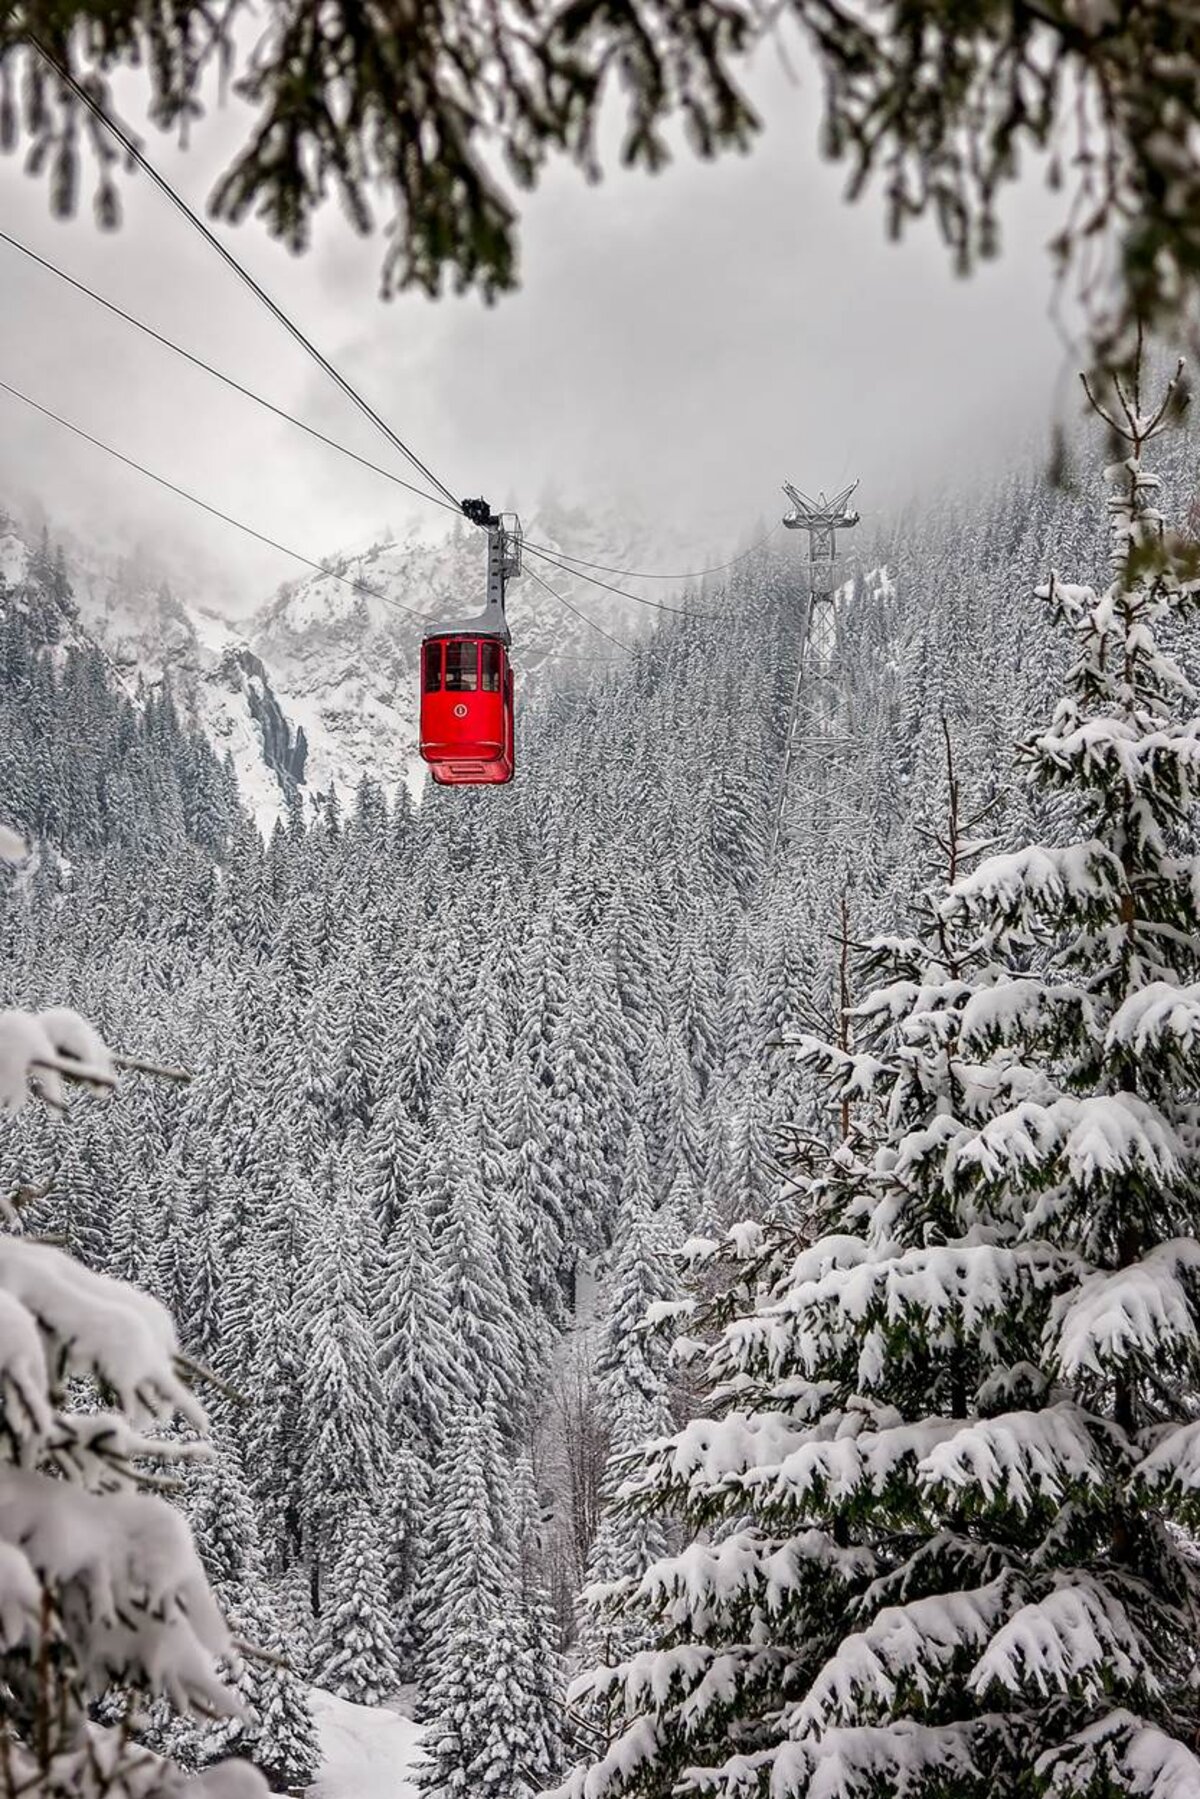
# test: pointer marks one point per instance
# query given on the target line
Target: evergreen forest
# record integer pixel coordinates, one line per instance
(611, 1256)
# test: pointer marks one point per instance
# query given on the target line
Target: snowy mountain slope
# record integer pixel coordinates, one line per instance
(14, 559)
(152, 636)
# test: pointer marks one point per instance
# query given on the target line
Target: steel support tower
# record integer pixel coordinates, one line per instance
(822, 518)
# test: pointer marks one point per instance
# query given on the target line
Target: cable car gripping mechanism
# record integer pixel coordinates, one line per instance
(503, 565)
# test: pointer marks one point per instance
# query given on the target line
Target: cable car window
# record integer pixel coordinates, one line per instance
(433, 668)
(489, 654)
(461, 667)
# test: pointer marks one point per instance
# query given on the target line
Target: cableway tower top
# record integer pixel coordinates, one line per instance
(819, 514)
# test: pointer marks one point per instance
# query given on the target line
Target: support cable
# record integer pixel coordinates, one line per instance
(448, 505)
(214, 511)
(272, 543)
(88, 99)
(637, 574)
(129, 145)
(638, 600)
(228, 380)
(555, 595)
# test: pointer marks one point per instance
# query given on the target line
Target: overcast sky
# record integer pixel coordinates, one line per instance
(682, 342)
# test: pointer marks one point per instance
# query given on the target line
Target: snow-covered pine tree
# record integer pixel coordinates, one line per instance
(630, 1364)
(543, 1675)
(392, 1151)
(626, 1543)
(537, 1187)
(468, 1559)
(279, 1734)
(276, 1730)
(342, 1406)
(943, 1509)
(354, 1655)
(406, 1485)
(470, 1590)
(422, 1369)
(99, 1579)
(508, 1720)
(484, 1341)
(633, 1393)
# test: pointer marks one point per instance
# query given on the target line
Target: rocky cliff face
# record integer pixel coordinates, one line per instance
(285, 750)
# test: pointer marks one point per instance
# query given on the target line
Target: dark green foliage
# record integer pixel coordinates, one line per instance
(437, 104)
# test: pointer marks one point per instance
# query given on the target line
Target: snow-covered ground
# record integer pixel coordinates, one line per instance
(366, 1752)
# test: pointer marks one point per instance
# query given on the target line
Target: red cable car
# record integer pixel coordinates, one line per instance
(466, 709)
(466, 680)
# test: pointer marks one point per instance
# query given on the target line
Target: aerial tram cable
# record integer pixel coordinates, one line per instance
(88, 99)
(638, 574)
(214, 511)
(638, 599)
(271, 543)
(332, 443)
(560, 559)
(230, 381)
(555, 595)
(467, 742)
(141, 161)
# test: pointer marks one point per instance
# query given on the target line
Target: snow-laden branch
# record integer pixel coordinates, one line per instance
(854, 1762)
(1028, 884)
(1146, 1762)
(1158, 1017)
(1078, 1638)
(40, 1050)
(835, 1471)
(747, 1568)
(1090, 1141)
(1144, 1311)
(1025, 1457)
(100, 1326)
(100, 1583)
(905, 1647)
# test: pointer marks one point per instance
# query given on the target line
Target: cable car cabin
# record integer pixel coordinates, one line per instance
(466, 709)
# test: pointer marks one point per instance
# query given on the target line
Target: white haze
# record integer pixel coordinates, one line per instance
(681, 343)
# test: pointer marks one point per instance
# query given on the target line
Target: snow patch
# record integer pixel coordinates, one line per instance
(367, 1752)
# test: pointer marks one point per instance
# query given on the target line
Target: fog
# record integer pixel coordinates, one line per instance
(680, 344)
